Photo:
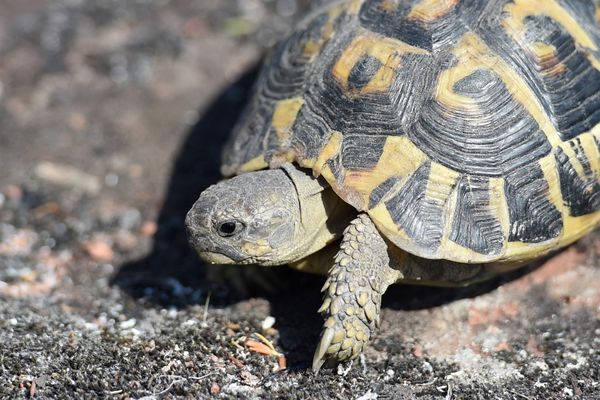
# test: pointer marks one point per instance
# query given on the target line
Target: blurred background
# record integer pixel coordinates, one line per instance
(112, 117)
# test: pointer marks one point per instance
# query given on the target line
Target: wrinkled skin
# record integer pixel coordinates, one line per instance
(271, 217)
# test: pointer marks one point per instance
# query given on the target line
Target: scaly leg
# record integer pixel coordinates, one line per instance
(353, 291)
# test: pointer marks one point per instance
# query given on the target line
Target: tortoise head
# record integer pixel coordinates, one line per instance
(248, 219)
(269, 217)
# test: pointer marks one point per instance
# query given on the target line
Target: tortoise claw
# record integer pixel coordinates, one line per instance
(324, 345)
(341, 340)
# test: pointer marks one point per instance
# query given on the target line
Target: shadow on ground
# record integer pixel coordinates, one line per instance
(294, 297)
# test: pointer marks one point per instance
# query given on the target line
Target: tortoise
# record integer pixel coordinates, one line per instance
(436, 142)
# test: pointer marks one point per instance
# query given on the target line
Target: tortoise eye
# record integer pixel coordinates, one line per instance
(229, 228)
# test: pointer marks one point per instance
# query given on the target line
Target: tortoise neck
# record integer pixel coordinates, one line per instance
(323, 215)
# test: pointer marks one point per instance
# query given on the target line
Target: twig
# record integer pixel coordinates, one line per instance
(178, 379)
(519, 395)
(199, 378)
(449, 393)
(32, 389)
(363, 363)
(431, 382)
(235, 361)
(206, 308)
(236, 344)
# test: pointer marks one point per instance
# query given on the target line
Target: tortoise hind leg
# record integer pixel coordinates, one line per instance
(353, 291)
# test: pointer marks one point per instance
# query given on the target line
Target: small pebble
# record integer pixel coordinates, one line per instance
(267, 323)
(215, 388)
(149, 228)
(67, 176)
(130, 323)
(99, 250)
(111, 180)
(13, 193)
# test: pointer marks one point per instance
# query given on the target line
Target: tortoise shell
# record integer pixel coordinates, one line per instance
(469, 130)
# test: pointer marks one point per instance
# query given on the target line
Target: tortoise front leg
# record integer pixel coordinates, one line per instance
(353, 291)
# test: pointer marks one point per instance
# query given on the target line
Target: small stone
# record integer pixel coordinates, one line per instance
(99, 250)
(130, 323)
(418, 351)
(67, 176)
(148, 228)
(427, 367)
(111, 180)
(215, 388)
(167, 367)
(267, 323)
(13, 193)
(150, 346)
(16, 242)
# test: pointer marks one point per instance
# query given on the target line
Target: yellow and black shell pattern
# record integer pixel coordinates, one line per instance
(469, 130)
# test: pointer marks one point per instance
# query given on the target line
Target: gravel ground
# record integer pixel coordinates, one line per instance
(112, 118)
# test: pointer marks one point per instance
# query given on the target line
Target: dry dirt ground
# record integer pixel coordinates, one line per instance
(112, 115)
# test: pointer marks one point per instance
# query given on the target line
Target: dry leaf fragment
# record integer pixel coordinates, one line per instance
(265, 347)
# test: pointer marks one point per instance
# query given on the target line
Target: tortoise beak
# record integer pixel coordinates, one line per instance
(215, 258)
